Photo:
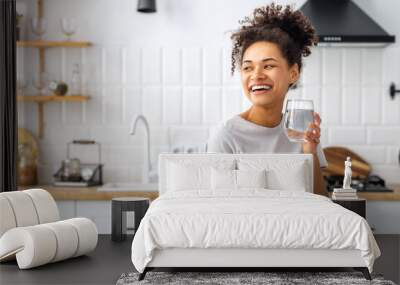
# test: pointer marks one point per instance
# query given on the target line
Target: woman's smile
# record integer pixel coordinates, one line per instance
(265, 75)
(260, 89)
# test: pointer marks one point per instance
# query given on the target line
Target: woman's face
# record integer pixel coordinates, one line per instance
(266, 75)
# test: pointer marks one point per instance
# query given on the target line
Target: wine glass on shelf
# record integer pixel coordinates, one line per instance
(68, 26)
(299, 114)
(41, 82)
(22, 83)
(39, 27)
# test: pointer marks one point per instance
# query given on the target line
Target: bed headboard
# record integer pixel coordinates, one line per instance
(164, 158)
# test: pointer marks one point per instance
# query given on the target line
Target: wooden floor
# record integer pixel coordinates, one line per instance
(111, 259)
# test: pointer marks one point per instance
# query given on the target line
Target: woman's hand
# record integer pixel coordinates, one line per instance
(312, 135)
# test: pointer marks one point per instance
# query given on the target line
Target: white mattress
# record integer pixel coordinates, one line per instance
(250, 219)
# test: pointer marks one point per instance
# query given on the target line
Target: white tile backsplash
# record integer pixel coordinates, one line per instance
(371, 105)
(109, 135)
(231, 101)
(351, 105)
(390, 66)
(312, 68)
(311, 92)
(192, 105)
(351, 66)
(372, 66)
(112, 104)
(173, 105)
(151, 63)
(332, 105)
(131, 103)
(346, 135)
(331, 66)
(74, 113)
(122, 156)
(131, 62)
(212, 105)
(192, 66)
(152, 104)
(212, 62)
(113, 62)
(372, 154)
(93, 111)
(172, 66)
(388, 136)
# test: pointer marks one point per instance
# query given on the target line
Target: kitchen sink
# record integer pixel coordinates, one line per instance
(120, 186)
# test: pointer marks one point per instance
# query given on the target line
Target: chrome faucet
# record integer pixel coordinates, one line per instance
(148, 174)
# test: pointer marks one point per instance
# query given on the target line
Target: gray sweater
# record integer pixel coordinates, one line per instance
(238, 135)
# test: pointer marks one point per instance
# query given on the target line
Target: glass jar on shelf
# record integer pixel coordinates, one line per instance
(76, 83)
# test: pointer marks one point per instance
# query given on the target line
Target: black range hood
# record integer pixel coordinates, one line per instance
(343, 22)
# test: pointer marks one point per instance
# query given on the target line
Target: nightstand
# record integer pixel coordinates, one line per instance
(358, 206)
(119, 207)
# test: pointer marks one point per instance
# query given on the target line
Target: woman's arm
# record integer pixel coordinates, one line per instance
(311, 146)
(319, 183)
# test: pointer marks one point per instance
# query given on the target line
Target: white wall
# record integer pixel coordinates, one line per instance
(173, 66)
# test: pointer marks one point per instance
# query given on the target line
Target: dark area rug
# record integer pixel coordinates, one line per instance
(243, 278)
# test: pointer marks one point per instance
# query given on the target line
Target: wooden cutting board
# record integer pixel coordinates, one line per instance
(336, 157)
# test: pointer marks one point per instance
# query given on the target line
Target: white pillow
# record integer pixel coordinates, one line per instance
(279, 178)
(251, 178)
(223, 179)
(185, 177)
(282, 174)
(229, 179)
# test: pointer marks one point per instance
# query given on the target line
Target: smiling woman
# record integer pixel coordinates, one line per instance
(268, 50)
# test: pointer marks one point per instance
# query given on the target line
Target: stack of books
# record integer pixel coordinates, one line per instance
(344, 194)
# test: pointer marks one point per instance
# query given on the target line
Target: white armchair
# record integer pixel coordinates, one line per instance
(31, 232)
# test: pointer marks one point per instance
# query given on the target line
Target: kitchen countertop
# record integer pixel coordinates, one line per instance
(91, 193)
(382, 196)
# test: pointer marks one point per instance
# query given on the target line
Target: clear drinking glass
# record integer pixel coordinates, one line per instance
(22, 83)
(41, 82)
(68, 26)
(298, 115)
(38, 26)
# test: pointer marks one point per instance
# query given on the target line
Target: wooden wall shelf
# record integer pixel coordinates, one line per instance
(42, 99)
(53, 44)
(50, 98)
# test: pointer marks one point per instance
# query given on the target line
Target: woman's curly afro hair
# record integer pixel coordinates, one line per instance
(287, 28)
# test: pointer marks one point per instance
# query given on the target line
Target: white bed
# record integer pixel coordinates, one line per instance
(202, 220)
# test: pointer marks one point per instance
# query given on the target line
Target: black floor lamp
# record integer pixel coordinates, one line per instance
(8, 98)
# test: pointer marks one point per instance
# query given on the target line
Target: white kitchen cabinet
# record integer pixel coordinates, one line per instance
(67, 209)
(98, 211)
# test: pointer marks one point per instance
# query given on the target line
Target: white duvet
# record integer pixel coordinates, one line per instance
(250, 219)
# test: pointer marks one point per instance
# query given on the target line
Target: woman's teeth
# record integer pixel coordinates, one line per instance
(260, 87)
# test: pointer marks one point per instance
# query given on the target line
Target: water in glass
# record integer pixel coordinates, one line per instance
(298, 115)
